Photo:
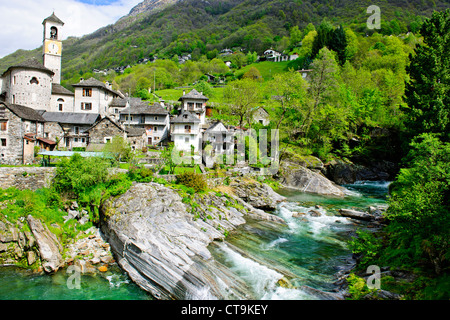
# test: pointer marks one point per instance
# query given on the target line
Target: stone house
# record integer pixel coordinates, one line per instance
(195, 102)
(118, 104)
(20, 130)
(27, 84)
(260, 115)
(185, 131)
(94, 96)
(154, 119)
(62, 100)
(104, 130)
(69, 129)
(220, 138)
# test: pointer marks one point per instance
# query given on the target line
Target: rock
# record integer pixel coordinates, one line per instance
(295, 176)
(259, 195)
(48, 245)
(3, 247)
(164, 250)
(347, 173)
(358, 215)
(298, 214)
(322, 295)
(315, 213)
(31, 257)
(72, 214)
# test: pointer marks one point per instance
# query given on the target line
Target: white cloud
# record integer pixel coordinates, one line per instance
(21, 22)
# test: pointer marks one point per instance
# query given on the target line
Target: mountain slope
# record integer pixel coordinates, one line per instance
(169, 27)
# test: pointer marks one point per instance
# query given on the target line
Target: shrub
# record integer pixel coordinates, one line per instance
(140, 174)
(193, 180)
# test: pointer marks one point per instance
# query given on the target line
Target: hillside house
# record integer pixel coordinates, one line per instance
(195, 103)
(21, 128)
(154, 119)
(94, 96)
(69, 129)
(260, 115)
(220, 138)
(185, 131)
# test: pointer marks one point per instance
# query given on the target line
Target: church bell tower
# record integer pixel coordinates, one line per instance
(53, 45)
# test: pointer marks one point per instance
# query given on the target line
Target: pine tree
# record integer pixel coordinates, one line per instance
(428, 92)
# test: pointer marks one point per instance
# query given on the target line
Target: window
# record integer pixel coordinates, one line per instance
(83, 140)
(156, 118)
(155, 129)
(186, 139)
(60, 104)
(86, 106)
(14, 99)
(14, 79)
(199, 105)
(116, 111)
(3, 141)
(76, 130)
(3, 126)
(34, 80)
(87, 92)
(46, 135)
(75, 140)
(108, 140)
(53, 33)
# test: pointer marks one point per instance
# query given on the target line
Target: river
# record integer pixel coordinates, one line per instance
(308, 251)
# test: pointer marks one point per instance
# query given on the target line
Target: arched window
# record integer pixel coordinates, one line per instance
(34, 80)
(60, 104)
(53, 33)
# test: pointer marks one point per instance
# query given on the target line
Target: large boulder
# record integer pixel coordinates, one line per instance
(48, 245)
(295, 176)
(347, 173)
(161, 240)
(257, 194)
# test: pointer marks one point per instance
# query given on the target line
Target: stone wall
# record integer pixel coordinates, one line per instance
(26, 177)
(12, 153)
(104, 129)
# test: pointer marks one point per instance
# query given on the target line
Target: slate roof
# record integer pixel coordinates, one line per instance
(24, 112)
(135, 132)
(214, 125)
(122, 102)
(194, 94)
(59, 89)
(71, 117)
(92, 82)
(188, 119)
(32, 64)
(53, 18)
(144, 108)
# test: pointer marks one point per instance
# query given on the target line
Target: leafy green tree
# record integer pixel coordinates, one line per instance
(419, 209)
(119, 148)
(428, 92)
(338, 43)
(205, 87)
(242, 96)
(253, 74)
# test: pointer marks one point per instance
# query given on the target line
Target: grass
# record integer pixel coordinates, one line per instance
(180, 170)
(267, 69)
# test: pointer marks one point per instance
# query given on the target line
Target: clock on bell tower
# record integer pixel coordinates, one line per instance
(53, 45)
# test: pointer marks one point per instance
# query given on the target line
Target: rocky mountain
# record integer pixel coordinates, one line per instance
(151, 5)
(173, 27)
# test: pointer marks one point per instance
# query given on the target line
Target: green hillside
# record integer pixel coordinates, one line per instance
(201, 27)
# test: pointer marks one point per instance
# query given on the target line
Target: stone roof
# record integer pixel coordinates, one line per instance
(106, 118)
(33, 64)
(135, 132)
(59, 89)
(194, 94)
(214, 125)
(186, 117)
(71, 117)
(53, 18)
(92, 82)
(144, 108)
(122, 102)
(23, 112)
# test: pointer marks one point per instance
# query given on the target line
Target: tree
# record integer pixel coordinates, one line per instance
(322, 39)
(242, 96)
(119, 148)
(253, 74)
(323, 85)
(295, 37)
(428, 92)
(338, 43)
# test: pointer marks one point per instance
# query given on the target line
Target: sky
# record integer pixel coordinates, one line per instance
(21, 20)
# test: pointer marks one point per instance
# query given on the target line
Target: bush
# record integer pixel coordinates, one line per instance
(140, 174)
(193, 180)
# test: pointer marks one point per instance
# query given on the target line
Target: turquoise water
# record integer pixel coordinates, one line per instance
(111, 285)
(308, 251)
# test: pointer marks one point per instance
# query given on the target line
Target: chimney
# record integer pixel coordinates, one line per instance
(184, 92)
(81, 79)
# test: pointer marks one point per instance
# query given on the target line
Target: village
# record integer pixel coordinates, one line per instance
(40, 117)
